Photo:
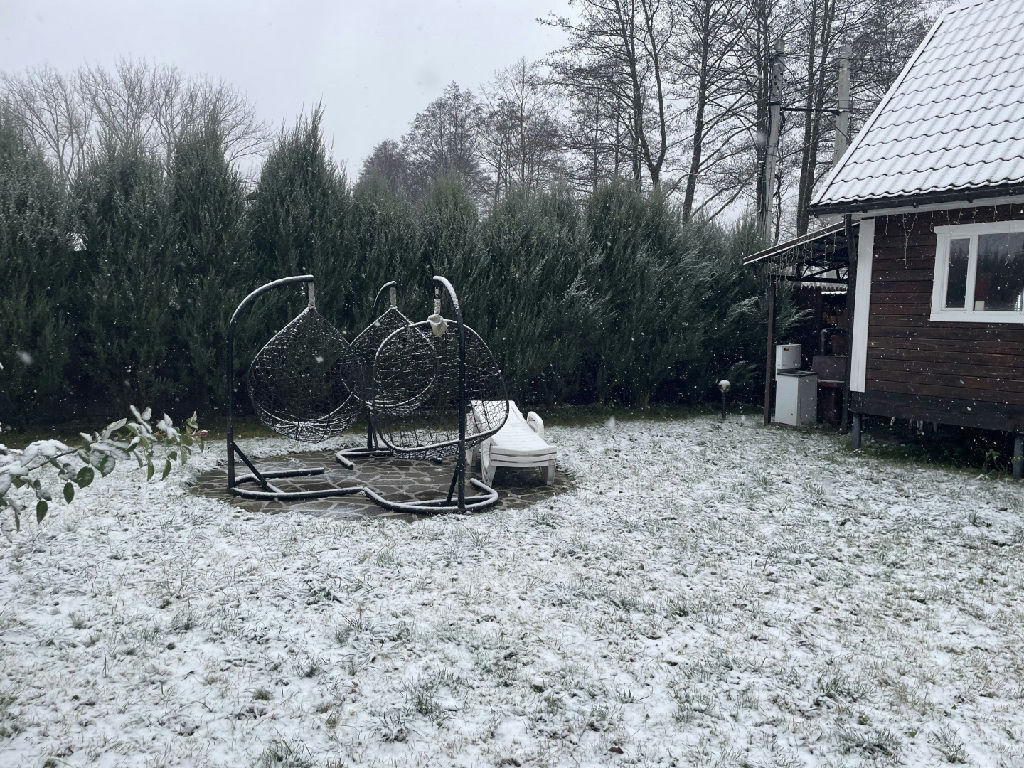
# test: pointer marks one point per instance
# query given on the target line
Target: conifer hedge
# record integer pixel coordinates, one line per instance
(609, 299)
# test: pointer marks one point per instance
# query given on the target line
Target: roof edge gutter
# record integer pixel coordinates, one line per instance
(961, 195)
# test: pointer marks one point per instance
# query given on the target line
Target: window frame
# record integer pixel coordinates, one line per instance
(968, 314)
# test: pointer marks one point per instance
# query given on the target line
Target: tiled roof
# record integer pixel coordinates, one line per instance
(952, 121)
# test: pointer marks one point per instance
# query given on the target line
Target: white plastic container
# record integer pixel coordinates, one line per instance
(787, 357)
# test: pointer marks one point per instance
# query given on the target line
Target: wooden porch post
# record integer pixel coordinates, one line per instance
(851, 302)
(769, 360)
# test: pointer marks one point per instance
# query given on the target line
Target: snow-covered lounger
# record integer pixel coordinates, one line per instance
(519, 443)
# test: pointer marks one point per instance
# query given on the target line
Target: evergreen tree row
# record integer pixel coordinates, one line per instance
(118, 290)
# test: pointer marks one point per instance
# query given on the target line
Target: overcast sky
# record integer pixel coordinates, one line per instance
(374, 64)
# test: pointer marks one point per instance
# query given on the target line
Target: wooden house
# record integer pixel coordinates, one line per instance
(935, 184)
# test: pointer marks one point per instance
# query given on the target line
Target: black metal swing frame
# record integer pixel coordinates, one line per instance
(455, 499)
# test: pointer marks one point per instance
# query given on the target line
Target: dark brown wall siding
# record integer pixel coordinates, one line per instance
(911, 355)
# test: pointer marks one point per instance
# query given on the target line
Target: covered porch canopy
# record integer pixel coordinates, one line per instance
(818, 260)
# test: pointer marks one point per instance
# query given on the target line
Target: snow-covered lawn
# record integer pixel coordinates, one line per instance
(709, 595)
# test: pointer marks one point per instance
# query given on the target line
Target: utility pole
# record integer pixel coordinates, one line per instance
(843, 116)
(764, 215)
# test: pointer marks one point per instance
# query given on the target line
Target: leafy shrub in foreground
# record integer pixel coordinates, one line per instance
(35, 467)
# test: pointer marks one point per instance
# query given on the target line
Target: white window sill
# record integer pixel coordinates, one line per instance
(980, 316)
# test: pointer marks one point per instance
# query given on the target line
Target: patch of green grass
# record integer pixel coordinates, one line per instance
(590, 415)
(10, 723)
(283, 754)
(948, 447)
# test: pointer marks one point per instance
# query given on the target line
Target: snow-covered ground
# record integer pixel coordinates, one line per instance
(710, 595)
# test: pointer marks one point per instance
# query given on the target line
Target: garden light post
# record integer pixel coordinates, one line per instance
(724, 385)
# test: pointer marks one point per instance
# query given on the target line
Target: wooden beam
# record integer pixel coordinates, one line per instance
(957, 412)
(812, 279)
(769, 359)
(851, 303)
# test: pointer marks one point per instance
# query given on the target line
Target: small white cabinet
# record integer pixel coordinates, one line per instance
(796, 398)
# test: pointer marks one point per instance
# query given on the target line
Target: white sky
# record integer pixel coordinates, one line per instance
(374, 64)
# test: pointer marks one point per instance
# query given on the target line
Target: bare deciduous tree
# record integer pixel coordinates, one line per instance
(136, 105)
(55, 114)
(622, 45)
(707, 69)
(444, 140)
(522, 135)
(389, 164)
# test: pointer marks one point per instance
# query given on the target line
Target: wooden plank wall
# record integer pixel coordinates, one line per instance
(908, 354)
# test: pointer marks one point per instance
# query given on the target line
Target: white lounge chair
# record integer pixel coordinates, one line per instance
(519, 443)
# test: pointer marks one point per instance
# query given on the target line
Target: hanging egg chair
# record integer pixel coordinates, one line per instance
(296, 380)
(438, 392)
(298, 390)
(359, 366)
(417, 421)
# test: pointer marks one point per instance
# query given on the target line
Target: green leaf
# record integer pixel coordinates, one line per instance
(106, 464)
(167, 469)
(150, 469)
(41, 507)
(85, 476)
(69, 492)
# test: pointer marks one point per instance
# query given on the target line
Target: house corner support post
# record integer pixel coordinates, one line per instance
(855, 431)
(852, 244)
(769, 356)
(1018, 457)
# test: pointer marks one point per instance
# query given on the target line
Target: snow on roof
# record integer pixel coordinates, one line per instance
(953, 121)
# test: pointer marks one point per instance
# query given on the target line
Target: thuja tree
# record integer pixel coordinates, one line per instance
(735, 312)
(35, 257)
(449, 244)
(124, 312)
(298, 215)
(642, 289)
(382, 232)
(539, 306)
(208, 258)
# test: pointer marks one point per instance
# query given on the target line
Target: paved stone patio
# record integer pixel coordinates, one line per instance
(395, 479)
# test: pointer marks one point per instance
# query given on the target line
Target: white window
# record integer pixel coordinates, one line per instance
(979, 273)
